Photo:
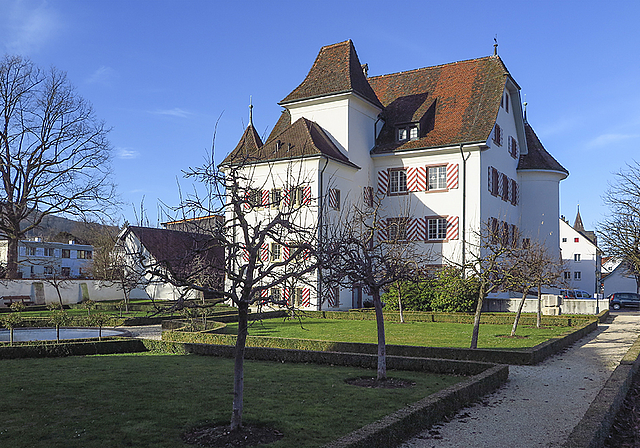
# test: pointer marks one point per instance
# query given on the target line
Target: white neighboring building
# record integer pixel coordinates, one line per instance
(581, 257)
(449, 143)
(617, 277)
(40, 259)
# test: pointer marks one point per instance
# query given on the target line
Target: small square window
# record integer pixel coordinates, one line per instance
(564, 240)
(437, 177)
(276, 197)
(402, 134)
(66, 253)
(397, 229)
(413, 132)
(576, 257)
(577, 275)
(567, 275)
(276, 251)
(576, 240)
(397, 181)
(437, 229)
(497, 135)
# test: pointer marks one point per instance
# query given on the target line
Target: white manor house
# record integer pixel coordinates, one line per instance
(450, 143)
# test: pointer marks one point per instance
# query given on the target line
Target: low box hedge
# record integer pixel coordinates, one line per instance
(48, 349)
(461, 318)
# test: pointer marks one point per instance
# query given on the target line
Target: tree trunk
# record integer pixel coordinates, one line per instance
(58, 333)
(238, 369)
(539, 317)
(519, 312)
(476, 318)
(57, 287)
(400, 302)
(382, 347)
(12, 258)
(10, 335)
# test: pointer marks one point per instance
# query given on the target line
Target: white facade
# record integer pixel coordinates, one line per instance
(581, 258)
(38, 259)
(448, 183)
(617, 278)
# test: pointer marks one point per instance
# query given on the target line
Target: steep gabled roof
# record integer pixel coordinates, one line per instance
(300, 139)
(537, 157)
(336, 70)
(454, 103)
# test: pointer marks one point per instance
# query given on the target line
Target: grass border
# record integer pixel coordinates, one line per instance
(528, 356)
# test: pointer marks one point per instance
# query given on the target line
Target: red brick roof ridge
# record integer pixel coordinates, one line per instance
(464, 61)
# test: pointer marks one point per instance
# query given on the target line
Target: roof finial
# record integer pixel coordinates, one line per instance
(525, 107)
(495, 45)
(250, 110)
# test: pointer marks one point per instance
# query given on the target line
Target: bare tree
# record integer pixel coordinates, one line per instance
(490, 259)
(619, 232)
(361, 248)
(534, 267)
(54, 154)
(267, 242)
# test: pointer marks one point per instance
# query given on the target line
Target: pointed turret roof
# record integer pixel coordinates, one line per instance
(337, 69)
(537, 157)
(250, 140)
(577, 224)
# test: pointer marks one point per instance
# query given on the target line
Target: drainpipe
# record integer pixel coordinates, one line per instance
(320, 226)
(464, 207)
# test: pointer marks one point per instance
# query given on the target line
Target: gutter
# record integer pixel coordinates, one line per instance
(320, 227)
(464, 207)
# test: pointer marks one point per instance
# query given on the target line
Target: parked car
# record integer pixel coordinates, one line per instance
(575, 294)
(619, 300)
(567, 294)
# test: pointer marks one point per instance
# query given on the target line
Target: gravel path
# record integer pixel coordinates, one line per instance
(540, 405)
(145, 331)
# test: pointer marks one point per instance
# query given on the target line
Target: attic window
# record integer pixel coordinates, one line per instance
(408, 132)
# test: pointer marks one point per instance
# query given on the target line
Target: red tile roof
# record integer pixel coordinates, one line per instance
(337, 69)
(454, 103)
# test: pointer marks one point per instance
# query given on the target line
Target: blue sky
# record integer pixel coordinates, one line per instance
(161, 72)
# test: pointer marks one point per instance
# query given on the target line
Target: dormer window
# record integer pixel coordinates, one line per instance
(408, 132)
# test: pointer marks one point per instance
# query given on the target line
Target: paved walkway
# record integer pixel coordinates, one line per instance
(145, 331)
(540, 405)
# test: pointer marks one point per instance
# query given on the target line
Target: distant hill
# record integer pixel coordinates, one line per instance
(55, 228)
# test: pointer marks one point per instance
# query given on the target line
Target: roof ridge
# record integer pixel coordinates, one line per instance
(436, 66)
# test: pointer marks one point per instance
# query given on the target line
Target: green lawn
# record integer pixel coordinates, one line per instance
(149, 400)
(428, 334)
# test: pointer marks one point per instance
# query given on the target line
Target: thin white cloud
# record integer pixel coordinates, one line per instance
(175, 112)
(610, 139)
(104, 75)
(127, 153)
(27, 25)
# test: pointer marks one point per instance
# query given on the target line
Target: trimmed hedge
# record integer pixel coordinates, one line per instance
(53, 350)
(462, 318)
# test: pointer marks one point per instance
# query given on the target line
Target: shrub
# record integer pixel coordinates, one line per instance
(454, 293)
(415, 296)
(447, 292)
